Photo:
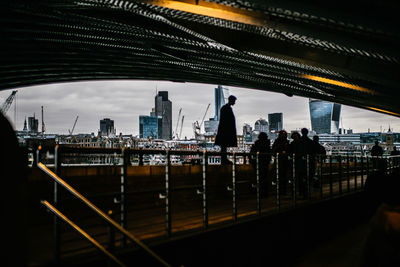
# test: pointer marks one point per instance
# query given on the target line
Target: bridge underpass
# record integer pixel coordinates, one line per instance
(334, 51)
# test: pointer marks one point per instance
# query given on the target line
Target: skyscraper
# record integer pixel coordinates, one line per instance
(275, 121)
(150, 126)
(106, 127)
(325, 116)
(33, 124)
(163, 108)
(221, 95)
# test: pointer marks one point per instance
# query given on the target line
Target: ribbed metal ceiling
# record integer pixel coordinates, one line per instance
(338, 51)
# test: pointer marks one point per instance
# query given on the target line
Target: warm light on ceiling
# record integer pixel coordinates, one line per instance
(338, 83)
(384, 111)
(215, 11)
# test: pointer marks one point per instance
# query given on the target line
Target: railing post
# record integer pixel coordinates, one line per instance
(168, 221)
(330, 177)
(362, 171)
(278, 203)
(124, 176)
(320, 177)
(348, 173)
(258, 183)
(308, 178)
(37, 156)
(355, 173)
(56, 228)
(340, 175)
(140, 158)
(294, 177)
(234, 204)
(204, 193)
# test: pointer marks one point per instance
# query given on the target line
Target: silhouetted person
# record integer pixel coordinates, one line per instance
(305, 148)
(13, 168)
(226, 134)
(280, 148)
(395, 160)
(263, 146)
(294, 150)
(377, 151)
(320, 153)
(394, 152)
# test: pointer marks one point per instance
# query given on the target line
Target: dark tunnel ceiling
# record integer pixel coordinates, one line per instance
(341, 51)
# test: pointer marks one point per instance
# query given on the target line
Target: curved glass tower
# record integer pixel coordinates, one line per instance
(325, 116)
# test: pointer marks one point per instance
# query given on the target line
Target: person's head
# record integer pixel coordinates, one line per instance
(295, 135)
(376, 142)
(316, 138)
(263, 136)
(282, 134)
(231, 100)
(394, 148)
(304, 132)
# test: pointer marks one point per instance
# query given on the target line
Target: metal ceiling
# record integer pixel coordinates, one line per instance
(341, 51)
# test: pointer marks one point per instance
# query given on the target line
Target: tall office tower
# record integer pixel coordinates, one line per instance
(275, 121)
(221, 95)
(247, 130)
(163, 108)
(33, 124)
(325, 116)
(107, 127)
(261, 125)
(150, 126)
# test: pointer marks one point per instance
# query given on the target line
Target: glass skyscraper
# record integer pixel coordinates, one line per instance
(106, 127)
(221, 98)
(163, 109)
(275, 121)
(150, 126)
(325, 116)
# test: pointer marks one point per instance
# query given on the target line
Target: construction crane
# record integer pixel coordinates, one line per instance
(6, 105)
(197, 126)
(175, 134)
(205, 113)
(73, 127)
(180, 132)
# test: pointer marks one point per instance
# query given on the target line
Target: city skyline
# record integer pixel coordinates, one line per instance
(123, 102)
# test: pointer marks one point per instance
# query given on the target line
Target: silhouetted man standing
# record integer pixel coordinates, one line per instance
(376, 152)
(226, 135)
(305, 149)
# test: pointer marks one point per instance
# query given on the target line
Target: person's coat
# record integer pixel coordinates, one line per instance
(226, 135)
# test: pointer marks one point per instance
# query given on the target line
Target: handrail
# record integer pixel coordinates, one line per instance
(101, 213)
(82, 232)
(99, 150)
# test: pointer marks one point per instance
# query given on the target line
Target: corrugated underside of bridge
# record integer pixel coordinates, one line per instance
(340, 51)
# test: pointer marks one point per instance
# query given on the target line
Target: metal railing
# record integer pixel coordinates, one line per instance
(100, 213)
(317, 177)
(84, 234)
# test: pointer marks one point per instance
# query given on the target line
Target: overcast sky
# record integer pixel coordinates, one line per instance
(124, 101)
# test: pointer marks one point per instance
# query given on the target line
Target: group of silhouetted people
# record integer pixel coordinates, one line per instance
(302, 147)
